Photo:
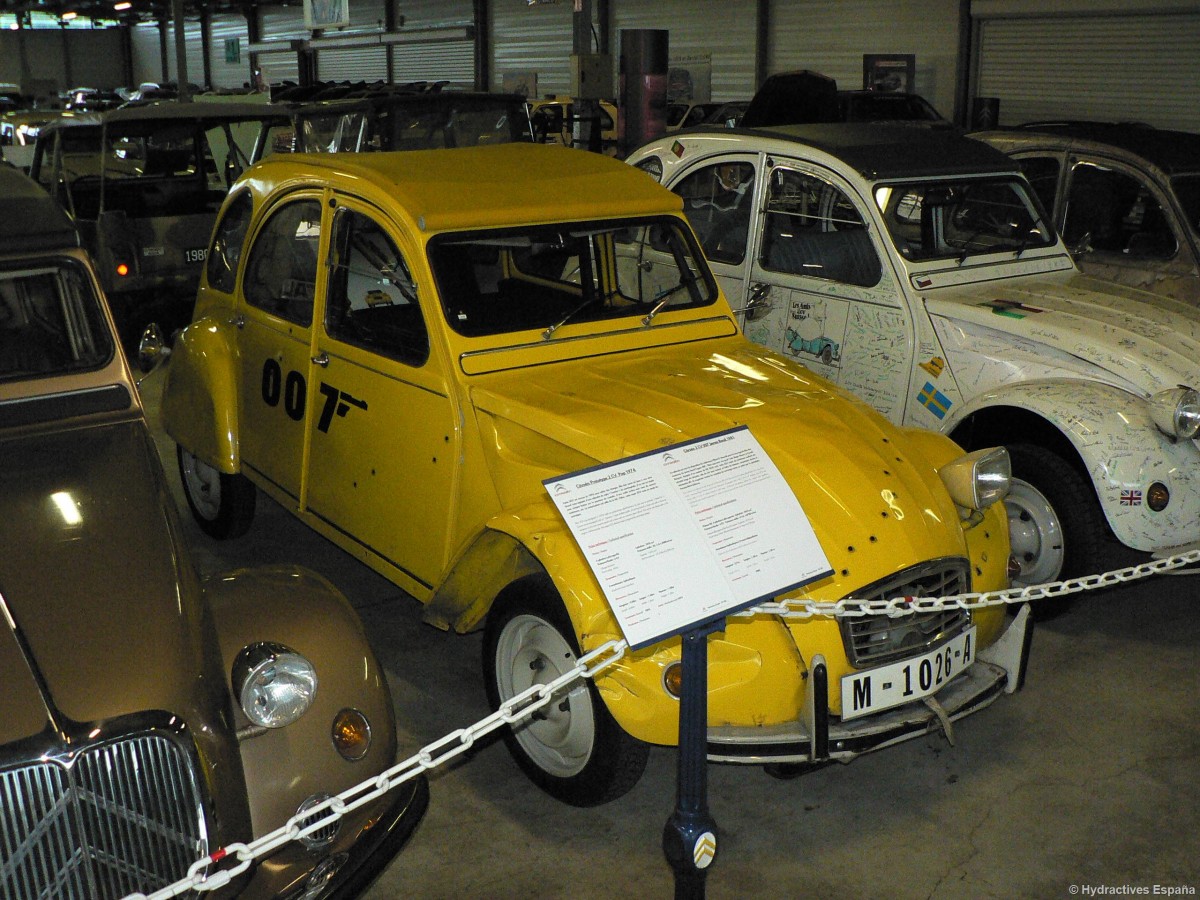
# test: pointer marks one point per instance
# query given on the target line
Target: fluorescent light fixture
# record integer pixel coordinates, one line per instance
(68, 16)
(123, 5)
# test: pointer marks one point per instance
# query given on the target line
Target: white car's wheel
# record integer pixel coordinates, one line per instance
(1035, 533)
(1056, 527)
(222, 505)
(572, 748)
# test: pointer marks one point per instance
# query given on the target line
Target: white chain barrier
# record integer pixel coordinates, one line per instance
(512, 711)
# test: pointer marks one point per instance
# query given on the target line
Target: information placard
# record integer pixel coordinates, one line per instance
(687, 534)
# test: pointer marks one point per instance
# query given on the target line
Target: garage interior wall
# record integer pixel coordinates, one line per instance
(724, 35)
(1115, 67)
(42, 60)
(147, 58)
(831, 36)
(1126, 60)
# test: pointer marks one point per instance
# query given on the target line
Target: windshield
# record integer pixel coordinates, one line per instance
(50, 322)
(546, 276)
(962, 219)
(1187, 189)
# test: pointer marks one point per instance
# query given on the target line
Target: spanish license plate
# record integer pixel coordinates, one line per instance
(911, 679)
(195, 255)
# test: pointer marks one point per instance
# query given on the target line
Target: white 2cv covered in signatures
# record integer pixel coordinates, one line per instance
(914, 267)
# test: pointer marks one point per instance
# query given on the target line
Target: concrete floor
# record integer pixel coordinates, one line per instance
(1087, 780)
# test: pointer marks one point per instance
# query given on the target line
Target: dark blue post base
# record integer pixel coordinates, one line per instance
(689, 837)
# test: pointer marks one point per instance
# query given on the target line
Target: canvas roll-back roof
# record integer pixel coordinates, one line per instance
(892, 150)
(32, 220)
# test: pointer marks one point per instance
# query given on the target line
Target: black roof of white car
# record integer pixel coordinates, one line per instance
(889, 150)
(32, 220)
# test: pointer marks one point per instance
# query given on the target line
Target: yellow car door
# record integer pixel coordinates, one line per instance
(276, 316)
(383, 445)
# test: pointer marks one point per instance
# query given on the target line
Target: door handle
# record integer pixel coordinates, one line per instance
(238, 322)
(321, 359)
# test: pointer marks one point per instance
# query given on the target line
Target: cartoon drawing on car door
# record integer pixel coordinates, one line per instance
(810, 332)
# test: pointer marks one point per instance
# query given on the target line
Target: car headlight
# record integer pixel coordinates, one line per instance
(1176, 412)
(274, 684)
(652, 166)
(979, 479)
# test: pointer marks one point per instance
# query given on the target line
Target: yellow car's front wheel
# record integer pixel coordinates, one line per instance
(222, 505)
(572, 748)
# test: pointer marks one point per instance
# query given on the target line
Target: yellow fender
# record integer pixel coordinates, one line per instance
(753, 664)
(200, 399)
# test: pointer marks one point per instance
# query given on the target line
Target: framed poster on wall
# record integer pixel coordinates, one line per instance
(326, 14)
(889, 72)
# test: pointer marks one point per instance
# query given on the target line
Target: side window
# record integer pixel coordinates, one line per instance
(281, 271)
(1042, 172)
(1117, 214)
(717, 201)
(226, 249)
(811, 228)
(372, 297)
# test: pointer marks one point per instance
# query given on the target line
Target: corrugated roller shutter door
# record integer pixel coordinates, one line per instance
(147, 60)
(452, 61)
(1105, 68)
(281, 23)
(533, 39)
(352, 64)
(725, 32)
(356, 63)
(831, 36)
(227, 27)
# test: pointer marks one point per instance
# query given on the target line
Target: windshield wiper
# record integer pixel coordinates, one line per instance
(660, 300)
(549, 332)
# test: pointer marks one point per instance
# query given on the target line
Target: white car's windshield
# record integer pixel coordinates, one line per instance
(961, 219)
(546, 276)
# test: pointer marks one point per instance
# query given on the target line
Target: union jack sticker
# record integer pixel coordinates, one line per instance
(1131, 498)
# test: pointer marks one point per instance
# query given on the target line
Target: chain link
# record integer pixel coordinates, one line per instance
(591, 664)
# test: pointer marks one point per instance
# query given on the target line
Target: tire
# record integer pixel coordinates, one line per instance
(572, 749)
(1056, 526)
(222, 505)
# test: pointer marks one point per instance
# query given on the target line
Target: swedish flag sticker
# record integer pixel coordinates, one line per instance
(934, 400)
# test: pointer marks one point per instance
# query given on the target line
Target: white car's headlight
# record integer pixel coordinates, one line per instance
(1176, 412)
(274, 684)
(979, 479)
(652, 166)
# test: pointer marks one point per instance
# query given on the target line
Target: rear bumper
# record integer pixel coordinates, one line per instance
(824, 738)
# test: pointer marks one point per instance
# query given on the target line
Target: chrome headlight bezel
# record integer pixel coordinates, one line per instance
(652, 166)
(978, 479)
(1176, 412)
(274, 684)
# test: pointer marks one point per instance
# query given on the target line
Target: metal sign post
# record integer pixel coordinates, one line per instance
(679, 538)
(690, 835)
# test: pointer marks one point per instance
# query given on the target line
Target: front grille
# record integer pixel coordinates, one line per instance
(122, 817)
(875, 640)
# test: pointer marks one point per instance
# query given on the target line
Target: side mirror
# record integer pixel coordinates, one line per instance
(758, 304)
(152, 349)
(1081, 246)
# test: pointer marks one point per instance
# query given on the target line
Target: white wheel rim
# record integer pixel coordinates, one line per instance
(1036, 535)
(559, 738)
(203, 485)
